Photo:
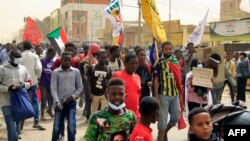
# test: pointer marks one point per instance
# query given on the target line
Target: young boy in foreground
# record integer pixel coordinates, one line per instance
(103, 124)
(201, 126)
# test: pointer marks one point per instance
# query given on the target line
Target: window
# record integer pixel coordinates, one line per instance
(78, 16)
(77, 31)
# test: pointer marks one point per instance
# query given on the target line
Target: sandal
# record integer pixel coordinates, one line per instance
(43, 118)
(50, 114)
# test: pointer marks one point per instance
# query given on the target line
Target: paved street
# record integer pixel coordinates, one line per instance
(31, 134)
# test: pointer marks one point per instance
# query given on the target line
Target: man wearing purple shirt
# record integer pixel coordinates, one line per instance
(44, 82)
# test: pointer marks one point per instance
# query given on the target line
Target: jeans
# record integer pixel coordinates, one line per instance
(171, 105)
(230, 88)
(46, 96)
(68, 111)
(87, 107)
(216, 95)
(241, 89)
(12, 126)
(34, 101)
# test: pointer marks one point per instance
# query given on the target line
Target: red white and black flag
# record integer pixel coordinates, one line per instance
(58, 39)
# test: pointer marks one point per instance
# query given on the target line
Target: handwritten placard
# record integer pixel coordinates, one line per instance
(202, 77)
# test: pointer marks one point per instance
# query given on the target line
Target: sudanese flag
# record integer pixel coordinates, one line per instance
(58, 39)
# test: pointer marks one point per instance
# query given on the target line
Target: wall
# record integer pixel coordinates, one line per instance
(229, 9)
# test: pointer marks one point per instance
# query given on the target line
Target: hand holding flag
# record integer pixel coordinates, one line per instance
(58, 39)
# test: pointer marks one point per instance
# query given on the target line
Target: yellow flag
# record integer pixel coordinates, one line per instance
(151, 16)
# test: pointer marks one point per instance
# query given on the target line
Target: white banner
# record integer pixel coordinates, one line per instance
(195, 36)
(231, 28)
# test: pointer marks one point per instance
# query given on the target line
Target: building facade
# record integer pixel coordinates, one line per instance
(177, 35)
(55, 19)
(230, 10)
(83, 19)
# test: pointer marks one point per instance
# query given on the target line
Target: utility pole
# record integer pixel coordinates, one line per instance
(169, 21)
(139, 42)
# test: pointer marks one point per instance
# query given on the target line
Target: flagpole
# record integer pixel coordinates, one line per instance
(169, 20)
(139, 25)
(122, 48)
(154, 39)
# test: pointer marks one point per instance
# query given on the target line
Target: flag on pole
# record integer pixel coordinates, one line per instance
(32, 32)
(195, 36)
(151, 16)
(58, 39)
(245, 5)
(114, 14)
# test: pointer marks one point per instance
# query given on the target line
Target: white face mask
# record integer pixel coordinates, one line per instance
(17, 61)
(199, 66)
(117, 108)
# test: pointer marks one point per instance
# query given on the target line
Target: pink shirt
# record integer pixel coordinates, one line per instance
(191, 96)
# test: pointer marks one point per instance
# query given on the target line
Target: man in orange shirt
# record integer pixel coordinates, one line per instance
(132, 83)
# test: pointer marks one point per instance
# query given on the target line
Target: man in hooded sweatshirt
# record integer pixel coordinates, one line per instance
(12, 76)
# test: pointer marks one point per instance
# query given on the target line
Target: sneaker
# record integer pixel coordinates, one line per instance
(61, 138)
(39, 127)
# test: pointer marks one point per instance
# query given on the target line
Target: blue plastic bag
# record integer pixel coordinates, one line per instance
(21, 107)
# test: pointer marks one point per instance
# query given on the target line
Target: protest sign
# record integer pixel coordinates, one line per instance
(202, 77)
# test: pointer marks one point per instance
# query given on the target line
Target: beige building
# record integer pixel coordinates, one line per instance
(47, 29)
(55, 19)
(230, 9)
(83, 19)
(178, 34)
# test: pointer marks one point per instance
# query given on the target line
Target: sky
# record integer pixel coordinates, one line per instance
(12, 12)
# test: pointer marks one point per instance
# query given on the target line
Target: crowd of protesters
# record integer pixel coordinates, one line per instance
(122, 96)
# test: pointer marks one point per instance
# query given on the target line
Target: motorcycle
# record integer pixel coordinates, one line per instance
(221, 115)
